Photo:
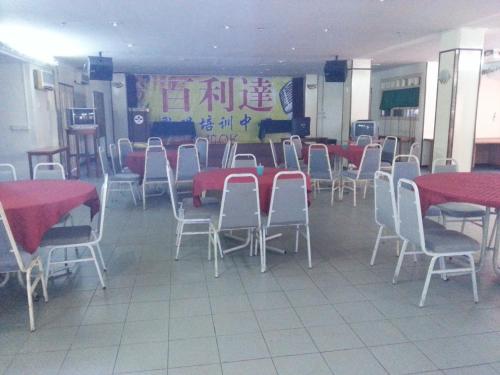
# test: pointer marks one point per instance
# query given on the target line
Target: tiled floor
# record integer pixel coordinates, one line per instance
(159, 316)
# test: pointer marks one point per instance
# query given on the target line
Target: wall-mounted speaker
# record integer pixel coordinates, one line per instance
(336, 71)
(100, 68)
(131, 83)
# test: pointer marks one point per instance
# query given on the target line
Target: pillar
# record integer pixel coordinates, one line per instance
(457, 94)
(356, 104)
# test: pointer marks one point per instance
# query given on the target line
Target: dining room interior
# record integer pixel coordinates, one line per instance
(249, 187)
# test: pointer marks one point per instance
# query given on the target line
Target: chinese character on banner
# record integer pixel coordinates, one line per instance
(245, 121)
(219, 90)
(176, 94)
(226, 122)
(257, 95)
(207, 124)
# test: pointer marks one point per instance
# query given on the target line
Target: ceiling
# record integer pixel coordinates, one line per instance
(269, 37)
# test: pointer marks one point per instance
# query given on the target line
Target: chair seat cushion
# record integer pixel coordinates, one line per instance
(433, 211)
(125, 177)
(8, 262)
(58, 236)
(209, 207)
(450, 241)
(430, 225)
(353, 173)
(462, 210)
(156, 179)
(320, 175)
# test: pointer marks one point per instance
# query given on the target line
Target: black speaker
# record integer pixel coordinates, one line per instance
(131, 90)
(100, 68)
(336, 71)
(301, 126)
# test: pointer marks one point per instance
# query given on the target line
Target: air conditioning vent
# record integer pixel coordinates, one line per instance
(44, 80)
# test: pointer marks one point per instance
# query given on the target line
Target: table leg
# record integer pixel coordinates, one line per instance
(484, 239)
(497, 246)
(77, 144)
(97, 164)
(87, 154)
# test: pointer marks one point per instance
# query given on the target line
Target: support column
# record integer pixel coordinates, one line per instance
(356, 105)
(457, 94)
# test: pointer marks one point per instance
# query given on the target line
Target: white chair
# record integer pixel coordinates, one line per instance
(364, 140)
(290, 156)
(297, 143)
(122, 181)
(288, 208)
(7, 172)
(273, 153)
(14, 259)
(405, 166)
(79, 236)
(438, 245)
(155, 141)
(188, 163)
(225, 155)
(415, 149)
(124, 148)
(458, 212)
(244, 161)
(239, 210)
(232, 152)
(49, 171)
(155, 171)
(186, 214)
(319, 168)
(389, 148)
(202, 147)
(370, 163)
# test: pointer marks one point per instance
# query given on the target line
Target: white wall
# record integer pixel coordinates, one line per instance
(330, 98)
(29, 118)
(311, 101)
(488, 110)
(120, 109)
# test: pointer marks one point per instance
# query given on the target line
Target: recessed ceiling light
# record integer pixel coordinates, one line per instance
(326, 29)
(130, 45)
(227, 27)
(114, 23)
(215, 46)
(281, 61)
(260, 29)
(293, 48)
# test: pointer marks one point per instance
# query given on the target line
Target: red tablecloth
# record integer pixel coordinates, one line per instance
(352, 153)
(135, 160)
(478, 188)
(214, 180)
(33, 207)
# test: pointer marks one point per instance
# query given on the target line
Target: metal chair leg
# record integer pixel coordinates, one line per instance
(427, 282)
(377, 243)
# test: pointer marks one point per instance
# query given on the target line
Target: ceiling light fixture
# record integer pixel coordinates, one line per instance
(227, 27)
(114, 23)
(293, 48)
(130, 45)
(326, 29)
(260, 29)
(215, 46)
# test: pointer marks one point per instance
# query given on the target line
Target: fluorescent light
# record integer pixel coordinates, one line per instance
(38, 43)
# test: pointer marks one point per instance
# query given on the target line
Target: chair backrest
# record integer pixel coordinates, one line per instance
(49, 171)
(124, 147)
(290, 156)
(240, 207)
(410, 225)
(155, 141)
(289, 199)
(405, 166)
(103, 160)
(444, 165)
(225, 155)
(188, 163)
(244, 161)
(115, 158)
(318, 166)
(11, 257)
(364, 140)
(415, 149)
(102, 211)
(155, 164)
(273, 152)
(370, 162)
(297, 142)
(7, 172)
(232, 152)
(389, 148)
(174, 199)
(202, 147)
(385, 201)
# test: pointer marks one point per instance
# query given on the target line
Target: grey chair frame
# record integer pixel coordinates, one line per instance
(6, 168)
(289, 164)
(160, 180)
(40, 169)
(244, 161)
(195, 168)
(316, 181)
(232, 152)
(35, 263)
(225, 155)
(360, 141)
(202, 145)
(124, 147)
(273, 153)
(155, 141)
(388, 165)
(297, 143)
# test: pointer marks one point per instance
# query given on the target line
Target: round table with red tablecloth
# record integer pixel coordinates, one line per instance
(33, 207)
(470, 187)
(213, 180)
(135, 160)
(352, 153)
